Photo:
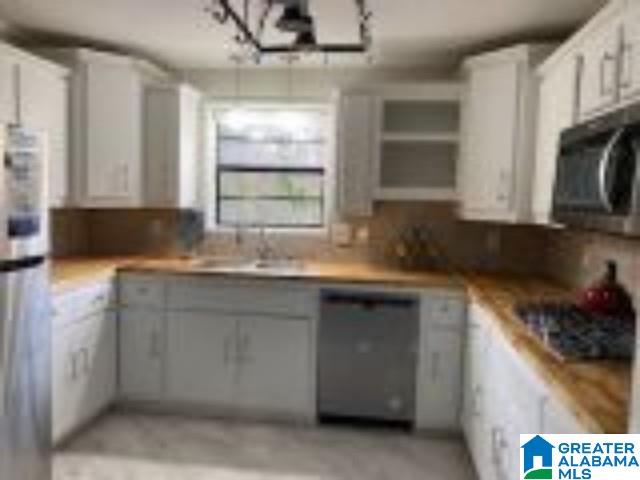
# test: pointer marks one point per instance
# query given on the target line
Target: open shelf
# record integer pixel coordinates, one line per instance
(445, 137)
(419, 141)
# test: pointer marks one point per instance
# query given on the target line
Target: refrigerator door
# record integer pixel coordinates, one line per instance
(23, 209)
(25, 366)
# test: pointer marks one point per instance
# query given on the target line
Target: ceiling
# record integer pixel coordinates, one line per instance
(405, 32)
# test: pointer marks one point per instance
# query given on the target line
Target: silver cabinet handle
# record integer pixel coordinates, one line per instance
(99, 300)
(435, 366)
(86, 360)
(604, 61)
(155, 350)
(626, 65)
(244, 347)
(227, 349)
(578, 83)
(477, 392)
(73, 365)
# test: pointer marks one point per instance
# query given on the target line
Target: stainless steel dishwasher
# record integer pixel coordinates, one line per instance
(367, 356)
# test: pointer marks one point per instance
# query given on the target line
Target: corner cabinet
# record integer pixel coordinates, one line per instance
(504, 397)
(498, 134)
(397, 143)
(106, 126)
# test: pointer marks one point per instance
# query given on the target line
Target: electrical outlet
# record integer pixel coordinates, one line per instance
(341, 234)
(494, 242)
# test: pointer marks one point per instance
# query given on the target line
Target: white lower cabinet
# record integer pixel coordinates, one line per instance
(274, 365)
(142, 353)
(255, 363)
(439, 385)
(84, 371)
(216, 344)
(503, 398)
(200, 360)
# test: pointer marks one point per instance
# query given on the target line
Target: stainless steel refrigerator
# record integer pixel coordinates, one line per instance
(25, 328)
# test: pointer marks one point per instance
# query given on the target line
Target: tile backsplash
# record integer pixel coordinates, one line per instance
(572, 258)
(463, 244)
(576, 258)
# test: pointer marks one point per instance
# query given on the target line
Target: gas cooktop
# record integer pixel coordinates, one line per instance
(574, 334)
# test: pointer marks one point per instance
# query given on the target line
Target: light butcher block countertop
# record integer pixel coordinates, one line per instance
(597, 392)
(67, 272)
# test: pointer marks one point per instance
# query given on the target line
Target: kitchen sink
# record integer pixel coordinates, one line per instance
(246, 264)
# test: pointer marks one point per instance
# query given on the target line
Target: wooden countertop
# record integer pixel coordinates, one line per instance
(69, 272)
(597, 392)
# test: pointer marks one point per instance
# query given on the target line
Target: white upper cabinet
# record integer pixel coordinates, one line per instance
(557, 111)
(598, 85)
(630, 54)
(112, 135)
(608, 55)
(107, 95)
(171, 147)
(34, 92)
(356, 133)
(44, 106)
(8, 89)
(498, 139)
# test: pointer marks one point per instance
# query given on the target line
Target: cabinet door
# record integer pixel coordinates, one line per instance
(489, 140)
(142, 353)
(474, 418)
(44, 106)
(274, 357)
(66, 370)
(186, 172)
(8, 90)
(439, 385)
(113, 134)
(356, 144)
(99, 357)
(599, 73)
(557, 111)
(201, 358)
(171, 146)
(630, 55)
(557, 419)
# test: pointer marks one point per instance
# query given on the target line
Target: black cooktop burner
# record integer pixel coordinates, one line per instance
(575, 334)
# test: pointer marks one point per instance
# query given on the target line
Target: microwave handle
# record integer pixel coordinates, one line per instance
(605, 163)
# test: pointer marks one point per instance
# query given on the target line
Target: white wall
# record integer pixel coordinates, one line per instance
(303, 84)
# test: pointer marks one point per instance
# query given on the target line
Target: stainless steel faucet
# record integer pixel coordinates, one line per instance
(264, 250)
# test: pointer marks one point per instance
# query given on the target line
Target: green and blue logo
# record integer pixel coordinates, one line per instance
(537, 459)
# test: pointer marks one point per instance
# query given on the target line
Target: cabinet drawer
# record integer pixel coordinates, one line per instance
(142, 291)
(240, 297)
(446, 311)
(72, 306)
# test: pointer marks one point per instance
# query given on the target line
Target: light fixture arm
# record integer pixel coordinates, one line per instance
(222, 11)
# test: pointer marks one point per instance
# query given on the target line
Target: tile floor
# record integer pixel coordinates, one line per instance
(140, 447)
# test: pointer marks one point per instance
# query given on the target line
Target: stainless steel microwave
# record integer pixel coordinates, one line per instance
(597, 184)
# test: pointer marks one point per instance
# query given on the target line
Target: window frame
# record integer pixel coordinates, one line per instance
(212, 174)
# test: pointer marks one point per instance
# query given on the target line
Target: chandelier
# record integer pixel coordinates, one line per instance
(295, 18)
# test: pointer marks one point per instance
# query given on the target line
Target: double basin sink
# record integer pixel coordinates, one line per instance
(240, 264)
